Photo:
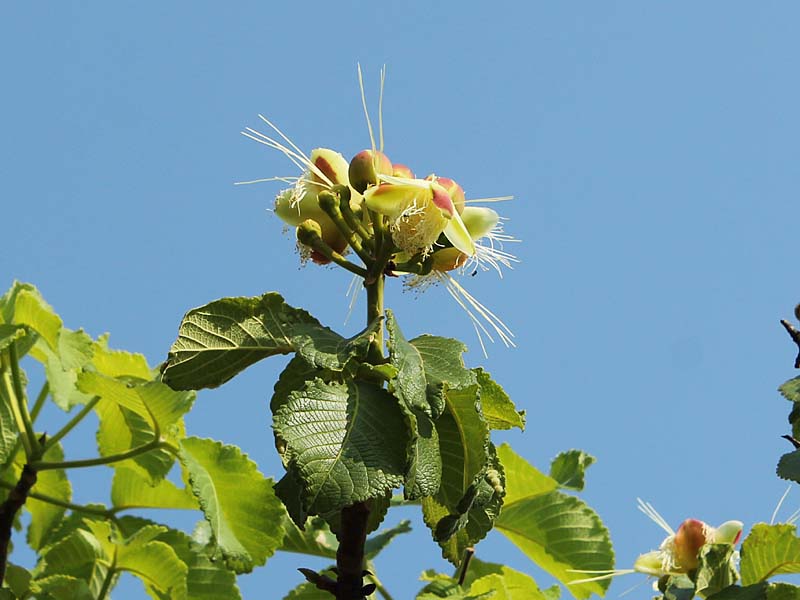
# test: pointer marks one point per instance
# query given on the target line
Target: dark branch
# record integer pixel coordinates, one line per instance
(795, 335)
(792, 441)
(350, 555)
(468, 554)
(8, 510)
(322, 582)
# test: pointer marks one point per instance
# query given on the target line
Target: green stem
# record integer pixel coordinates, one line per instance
(378, 584)
(40, 399)
(100, 512)
(19, 391)
(375, 311)
(79, 416)
(10, 397)
(329, 203)
(325, 250)
(106, 460)
(109, 578)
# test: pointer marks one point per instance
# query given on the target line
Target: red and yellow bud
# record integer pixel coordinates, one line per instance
(366, 167)
(399, 170)
(455, 191)
(690, 537)
(448, 259)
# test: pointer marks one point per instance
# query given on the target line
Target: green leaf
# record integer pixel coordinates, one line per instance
(444, 586)
(29, 308)
(759, 591)
(316, 539)
(789, 466)
(8, 430)
(443, 361)
(18, 579)
(207, 578)
(677, 587)
(347, 443)
(308, 591)
(556, 531)
(424, 474)
(130, 489)
(62, 587)
(117, 363)
(409, 385)
(498, 408)
(769, 550)
(152, 561)
(63, 365)
(791, 390)
(379, 541)
(237, 501)
(221, 339)
(508, 585)
(569, 468)
(717, 570)
(378, 508)
(10, 334)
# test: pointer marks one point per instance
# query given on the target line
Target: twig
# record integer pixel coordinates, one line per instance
(792, 441)
(468, 554)
(795, 335)
(322, 582)
(350, 555)
(8, 510)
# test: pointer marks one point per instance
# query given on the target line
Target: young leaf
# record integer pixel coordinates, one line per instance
(117, 363)
(409, 385)
(62, 366)
(443, 361)
(130, 489)
(791, 390)
(316, 539)
(237, 501)
(498, 408)
(769, 550)
(10, 334)
(8, 430)
(347, 443)
(716, 571)
(379, 541)
(556, 531)
(27, 307)
(508, 585)
(44, 515)
(224, 337)
(569, 468)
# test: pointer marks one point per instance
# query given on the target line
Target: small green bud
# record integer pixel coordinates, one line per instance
(309, 232)
(479, 220)
(328, 201)
(365, 168)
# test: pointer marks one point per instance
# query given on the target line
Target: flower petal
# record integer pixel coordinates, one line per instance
(456, 232)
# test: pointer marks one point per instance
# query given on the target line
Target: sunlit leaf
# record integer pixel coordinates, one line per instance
(556, 531)
(63, 365)
(759, 591)
(29, 308)
(44, 515)
(769, 550)
(118, 363)
(498, 409)
(237, 501)
(379, 541)
(10, 334)
(316, 539)
(131, 489)
(224, 337)
(347, 443)
(716, 570)
(569, 468)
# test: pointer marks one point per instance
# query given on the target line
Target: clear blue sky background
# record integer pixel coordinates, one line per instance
(652, 149)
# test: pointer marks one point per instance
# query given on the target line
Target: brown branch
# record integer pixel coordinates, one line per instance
(350, 555)
(8, 510)
(468, 554)
(322, 582)
(792, 441)
(795, 335)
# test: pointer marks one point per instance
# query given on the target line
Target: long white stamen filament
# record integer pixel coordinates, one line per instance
(364, 104)
(285, 138)
(652, 513)
(380, 107)
(493, 199)
(793, 517)
(605, 575)
(780, 503)
(289, 180)
(353, 289)
(259, 137)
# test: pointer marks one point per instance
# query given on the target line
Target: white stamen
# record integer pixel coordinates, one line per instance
(652, 513)
(364, 104)
(380, 107)
(778, 507)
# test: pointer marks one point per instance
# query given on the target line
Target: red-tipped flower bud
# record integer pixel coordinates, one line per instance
(365, 168)
(690, 537)
(399, 170)
(455, 191)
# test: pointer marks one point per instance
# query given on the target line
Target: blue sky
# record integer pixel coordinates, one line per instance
(651, 149)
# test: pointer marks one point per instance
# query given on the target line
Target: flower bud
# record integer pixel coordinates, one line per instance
(447, 259)
(309, 232)
(651, 563)
(479, 220)
(455, 191)
(399, 170)
(690, 537)
(728, 533)
(365, 168)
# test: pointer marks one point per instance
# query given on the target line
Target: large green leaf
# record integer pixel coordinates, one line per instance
(27, 307)
(556, 531)
(498, 408)
(10, 334)
(118, 363)
(569, 468)
(346, 443)
(207, 578)
(224, 337)
(479, 570)
(63, 365)
(789, 466)
(131, 489)
(443, 361)
(316, 539)
(508, 585)
(791, 389)
(44, 515)
(142, 555)
(716, 570)
(237, 501)
(424, 475)
(769, 550)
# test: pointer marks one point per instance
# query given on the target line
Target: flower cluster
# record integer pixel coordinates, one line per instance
(423, 228)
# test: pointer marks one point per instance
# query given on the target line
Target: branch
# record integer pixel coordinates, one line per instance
(8, 510)
(795, 335)
(350, 555)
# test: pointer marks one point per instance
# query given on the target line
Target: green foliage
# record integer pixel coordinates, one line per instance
(569, 468)
(557, 531)
(237, 501)
(769, 550)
